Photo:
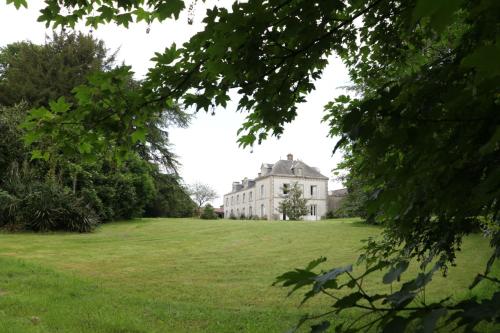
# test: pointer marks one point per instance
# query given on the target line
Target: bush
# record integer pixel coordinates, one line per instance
(208, 213)
(243, 217)
(49, 207)
(9, 205)
(232, 216)
(42, 206)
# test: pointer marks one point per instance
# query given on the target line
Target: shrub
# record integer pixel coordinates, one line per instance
(42, 206)
(9, 205)
(49, 207)
(243, 217)
(208, 213)
(232, 216)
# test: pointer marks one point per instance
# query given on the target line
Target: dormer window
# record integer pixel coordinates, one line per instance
(299, 172)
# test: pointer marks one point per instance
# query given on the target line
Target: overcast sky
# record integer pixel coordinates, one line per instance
(208, 148)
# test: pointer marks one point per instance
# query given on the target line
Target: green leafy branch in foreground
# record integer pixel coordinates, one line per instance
(394, 311)
(109, 100)
(95, 13)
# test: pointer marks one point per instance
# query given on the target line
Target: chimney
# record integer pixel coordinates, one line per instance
(289, 157)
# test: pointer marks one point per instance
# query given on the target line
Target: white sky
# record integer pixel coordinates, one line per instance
(208, 148)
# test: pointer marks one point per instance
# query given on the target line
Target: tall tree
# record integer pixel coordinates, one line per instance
(37, 74)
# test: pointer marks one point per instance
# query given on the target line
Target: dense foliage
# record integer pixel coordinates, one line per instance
(27, 203)
(66, 190)
(208, 213)
(38, 74)
(422, 137)
(171, 198)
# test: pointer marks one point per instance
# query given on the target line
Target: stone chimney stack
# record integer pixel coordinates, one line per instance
(289, 157)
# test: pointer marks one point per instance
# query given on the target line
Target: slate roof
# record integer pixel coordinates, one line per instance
(286, 168)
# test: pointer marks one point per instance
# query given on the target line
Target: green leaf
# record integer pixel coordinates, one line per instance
(395, 272)
(349, 300)
(170, 8)
(84, 147)
(31, 137)
(322, 327)
(323, 279)
(38, 154)
(59, 106)
(397, 324)
(313, 264)
(18, 3)
(39, 113)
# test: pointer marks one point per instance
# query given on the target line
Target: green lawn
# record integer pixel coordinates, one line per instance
(181, 275)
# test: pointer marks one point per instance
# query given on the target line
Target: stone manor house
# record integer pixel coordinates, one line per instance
(261, 196)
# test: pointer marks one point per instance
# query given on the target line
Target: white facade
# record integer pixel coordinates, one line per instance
(261, 197)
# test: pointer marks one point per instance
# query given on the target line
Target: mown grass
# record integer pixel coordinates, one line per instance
(183, 275)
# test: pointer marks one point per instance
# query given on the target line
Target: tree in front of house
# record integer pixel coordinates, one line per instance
(208, 213)
(294, 206)
(202, 193)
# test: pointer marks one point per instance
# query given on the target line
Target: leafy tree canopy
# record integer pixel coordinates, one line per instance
(37, 74)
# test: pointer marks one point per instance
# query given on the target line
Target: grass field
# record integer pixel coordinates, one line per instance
(181, 275)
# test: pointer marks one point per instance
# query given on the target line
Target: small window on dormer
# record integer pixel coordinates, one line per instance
(298, 172)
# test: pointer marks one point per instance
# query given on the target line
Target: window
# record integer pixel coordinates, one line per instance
(313, 210)
(262, 210)
(243, 212)
(227, 213)
(243, 197)
(261, 191)
(250, 212)
(232, 201)
(286, 188)
(238, 199)
(314, 190)
(238, 212)
(227, 201)
(250, 196)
